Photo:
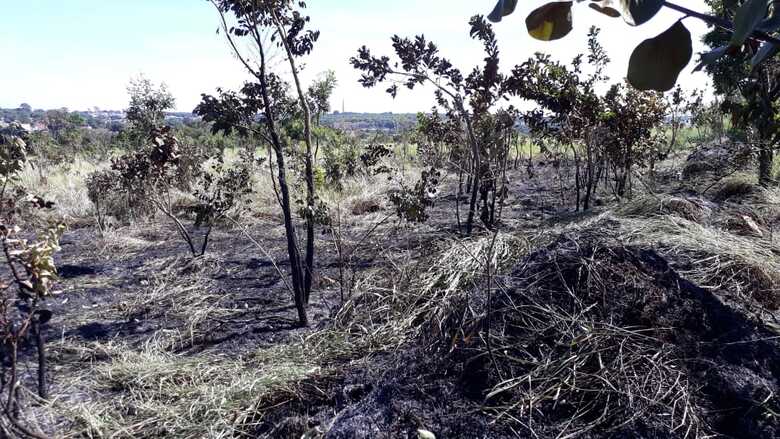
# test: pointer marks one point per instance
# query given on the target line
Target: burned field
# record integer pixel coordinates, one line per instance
(548, 252)
(656, 317)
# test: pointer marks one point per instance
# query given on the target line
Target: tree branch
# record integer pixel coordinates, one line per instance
(721, 22)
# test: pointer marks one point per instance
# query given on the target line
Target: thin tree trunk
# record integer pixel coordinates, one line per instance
(765, 159)
(457, 197)
(289, 227)
(39, 342)
(577, 179)
(477, 168)
(309, 167)
(276, 143)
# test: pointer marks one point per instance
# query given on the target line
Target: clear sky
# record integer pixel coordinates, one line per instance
(81, 53)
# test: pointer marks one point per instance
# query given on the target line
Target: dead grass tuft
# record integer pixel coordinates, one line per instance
(65, 185)
(153, 393)
(655, 205)
(422, 295)
(582, 343)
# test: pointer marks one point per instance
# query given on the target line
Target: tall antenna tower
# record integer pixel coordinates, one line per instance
(343, 105)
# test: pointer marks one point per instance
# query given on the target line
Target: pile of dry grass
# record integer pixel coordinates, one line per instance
(764, 204)
(718, 158)
(732, 252)
(716, 259)
(598, 337)
(655, 205)
(422, 296)
(581, 343)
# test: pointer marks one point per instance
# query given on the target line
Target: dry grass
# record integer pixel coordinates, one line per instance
(119, 243)
(745, 267)
(716, 259)
(153, 393)
(141, 387)
(123, 390)
(567, 353)
(359, 195)
(655, 205)
(637, 377)
(65, 185)
(179, 293)
(401, 301)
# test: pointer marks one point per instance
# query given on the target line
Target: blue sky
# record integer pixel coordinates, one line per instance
(81, 53)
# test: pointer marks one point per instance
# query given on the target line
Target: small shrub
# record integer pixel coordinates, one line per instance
(340, 161)
(138, 175)
(220, 191)
(13, 154)
(412, 203)
(371, 159)
(146, 180)
(102, 188)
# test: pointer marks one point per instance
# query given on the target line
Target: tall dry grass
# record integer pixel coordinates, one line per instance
(63, 184)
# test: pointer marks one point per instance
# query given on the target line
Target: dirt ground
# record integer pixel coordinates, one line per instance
(137, 288)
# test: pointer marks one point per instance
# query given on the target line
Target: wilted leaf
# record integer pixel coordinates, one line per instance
(550, 22)
(606, 10)
(502, 9)
(637, 12)
(657, 62)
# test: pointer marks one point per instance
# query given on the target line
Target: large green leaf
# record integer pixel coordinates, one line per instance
(550, 22)
(502, 9)
(657, 62)
(637, 12)
(747, 18)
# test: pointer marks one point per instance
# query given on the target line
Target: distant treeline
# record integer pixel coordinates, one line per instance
(387, 122)
(113, 120)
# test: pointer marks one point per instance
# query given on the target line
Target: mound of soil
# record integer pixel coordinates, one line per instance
(717, 159)
(597, 338)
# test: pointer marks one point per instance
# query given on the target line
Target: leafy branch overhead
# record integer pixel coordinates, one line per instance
(657, 62)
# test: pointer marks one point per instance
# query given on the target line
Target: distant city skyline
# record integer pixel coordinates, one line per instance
(81, 54)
